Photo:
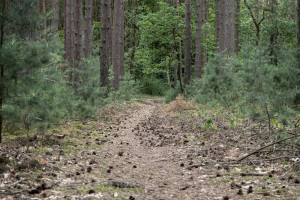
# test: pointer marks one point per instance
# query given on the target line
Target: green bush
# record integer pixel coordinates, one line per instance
(249, 82)
(153, 86)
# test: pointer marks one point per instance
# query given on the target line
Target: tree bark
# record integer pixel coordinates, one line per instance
(237, 25)
(88, 28)
(78, 39)
(225, 26)
(133, 33)
(188, 34)
(298, 33)
(274, 32)
(230, 27)
(105, 42)
(1, 69)
(118, 43)
(220, 25)
(69, 37)
(55, 18)
(199, 55)
(122, 38)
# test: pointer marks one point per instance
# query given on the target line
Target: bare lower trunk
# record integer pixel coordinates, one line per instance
(78, 39)
(299, 34)
(105, 42)
(118, 43)
(199, 54)
(55, 18)
(1, 70)
(88, 28)
(188, 34)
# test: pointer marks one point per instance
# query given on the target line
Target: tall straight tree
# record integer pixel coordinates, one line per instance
(2, 7)
(220, 25)
(105, 42)
(230, 30)
(188, 36)
(298, 33)
(88, 27)
(199, 55)
(225, 26)
(78, 39)
(122, 37)
(69, 35)
(118, 43)
(55, 18)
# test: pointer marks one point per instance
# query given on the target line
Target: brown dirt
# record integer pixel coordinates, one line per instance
(151, 153)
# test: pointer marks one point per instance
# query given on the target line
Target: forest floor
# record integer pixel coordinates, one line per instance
(149, 150)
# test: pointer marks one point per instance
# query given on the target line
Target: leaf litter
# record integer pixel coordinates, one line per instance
(149, 151)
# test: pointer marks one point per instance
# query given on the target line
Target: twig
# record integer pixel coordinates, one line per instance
(272, 159)
(277, 142)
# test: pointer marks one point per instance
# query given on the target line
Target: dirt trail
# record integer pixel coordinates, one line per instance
(148, 153)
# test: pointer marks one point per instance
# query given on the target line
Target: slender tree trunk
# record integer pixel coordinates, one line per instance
(230, 27)
(65, 28)
(220, 25)
(118, 43)
(133, 33)
(88, 28)
(1, 70)
(55, 18)
(78, 39)
(105, 42)
(274, 33)
(206, 33)
(69, 37)
(122, 38)
(298, 21)
(188, 34)
(199, 57)
(237, 25)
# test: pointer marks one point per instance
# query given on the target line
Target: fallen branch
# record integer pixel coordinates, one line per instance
(277, 142)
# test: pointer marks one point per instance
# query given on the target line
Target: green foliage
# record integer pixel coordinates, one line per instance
(153, 86)
(248, 82)
(32, 82)
(171, 94)
(159, 34)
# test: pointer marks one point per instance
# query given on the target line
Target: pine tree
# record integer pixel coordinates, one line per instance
(78, 40)
(105, 42)
(188, 51)
(88, 28)
(55, 19)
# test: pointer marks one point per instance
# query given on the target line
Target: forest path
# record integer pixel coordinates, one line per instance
(145, 151)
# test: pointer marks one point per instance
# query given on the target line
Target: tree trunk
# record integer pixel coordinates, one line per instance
(78, 39)
(220, 25)
(237, 25)
(274, 32)
(122, 38)
(199, 55)
(69, 37)
(133, 33)
(55, 18)
(188, 34)
(225, 26)
(88, 28)
(230, 27)
(105, 42)
(118, 43)
(298, 33)
(1, 70)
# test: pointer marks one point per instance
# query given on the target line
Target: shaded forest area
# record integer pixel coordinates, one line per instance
(219, 65)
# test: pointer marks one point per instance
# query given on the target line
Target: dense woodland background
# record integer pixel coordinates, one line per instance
(63, 60)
